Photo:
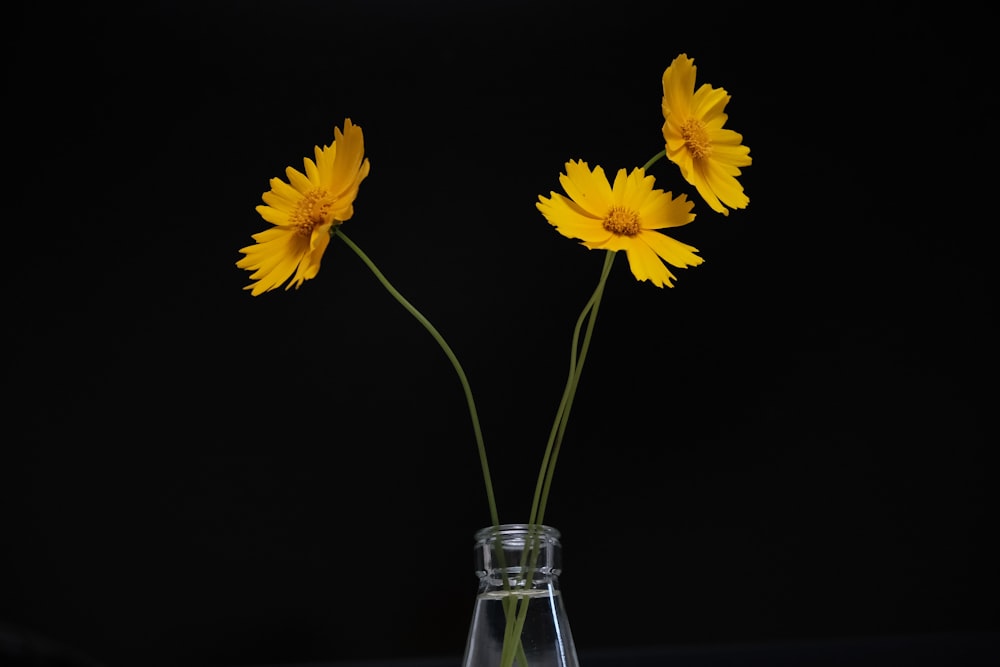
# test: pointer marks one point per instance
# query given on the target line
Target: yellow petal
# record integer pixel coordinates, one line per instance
(645, 265)
(700, 180)
(671, 250)
(298, 180)
(589, 189)
(273, 215)
(347, 160)
(708, 102)
(278, 202)
(272, 234)
(609, 241)
(678, 87)
(324, 163)
(312, 173)
(274, 263)
(636, 190)
(569, 219)
(309, 264)
(734, 155)
(284, 190)
(666, 211)
(725, 186)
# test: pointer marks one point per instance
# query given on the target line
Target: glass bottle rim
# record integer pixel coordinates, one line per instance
(514, 529)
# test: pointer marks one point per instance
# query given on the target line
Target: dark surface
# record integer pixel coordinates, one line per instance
(954, 649)
(976, 650)
(795, 443)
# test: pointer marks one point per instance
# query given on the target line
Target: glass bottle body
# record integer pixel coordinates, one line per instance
(519, 619)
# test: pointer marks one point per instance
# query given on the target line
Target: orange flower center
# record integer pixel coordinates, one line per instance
(696, 138)
(622, 221)
(312, 211)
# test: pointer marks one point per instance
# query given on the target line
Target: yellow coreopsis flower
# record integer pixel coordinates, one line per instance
(622, 217)
(709, 156)
(304, 211)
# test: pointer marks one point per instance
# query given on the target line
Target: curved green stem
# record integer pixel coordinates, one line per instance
(654, 159)
(480, 443)
(564, 420)
(578, 355)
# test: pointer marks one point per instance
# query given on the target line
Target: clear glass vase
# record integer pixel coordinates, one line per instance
(519, 619)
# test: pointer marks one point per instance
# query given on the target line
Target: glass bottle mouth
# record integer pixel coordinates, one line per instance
(530, 554)
(517, 531)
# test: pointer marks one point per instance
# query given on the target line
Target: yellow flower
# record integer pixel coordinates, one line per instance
(708, 155)
(304, 212)
(622, 217)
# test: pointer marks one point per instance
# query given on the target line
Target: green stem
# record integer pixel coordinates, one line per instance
(480, 444)
(654, 159)
(578, 355)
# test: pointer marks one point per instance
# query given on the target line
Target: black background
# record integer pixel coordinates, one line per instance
(794, 442)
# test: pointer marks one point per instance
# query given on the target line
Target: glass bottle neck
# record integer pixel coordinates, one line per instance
(518, 556)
